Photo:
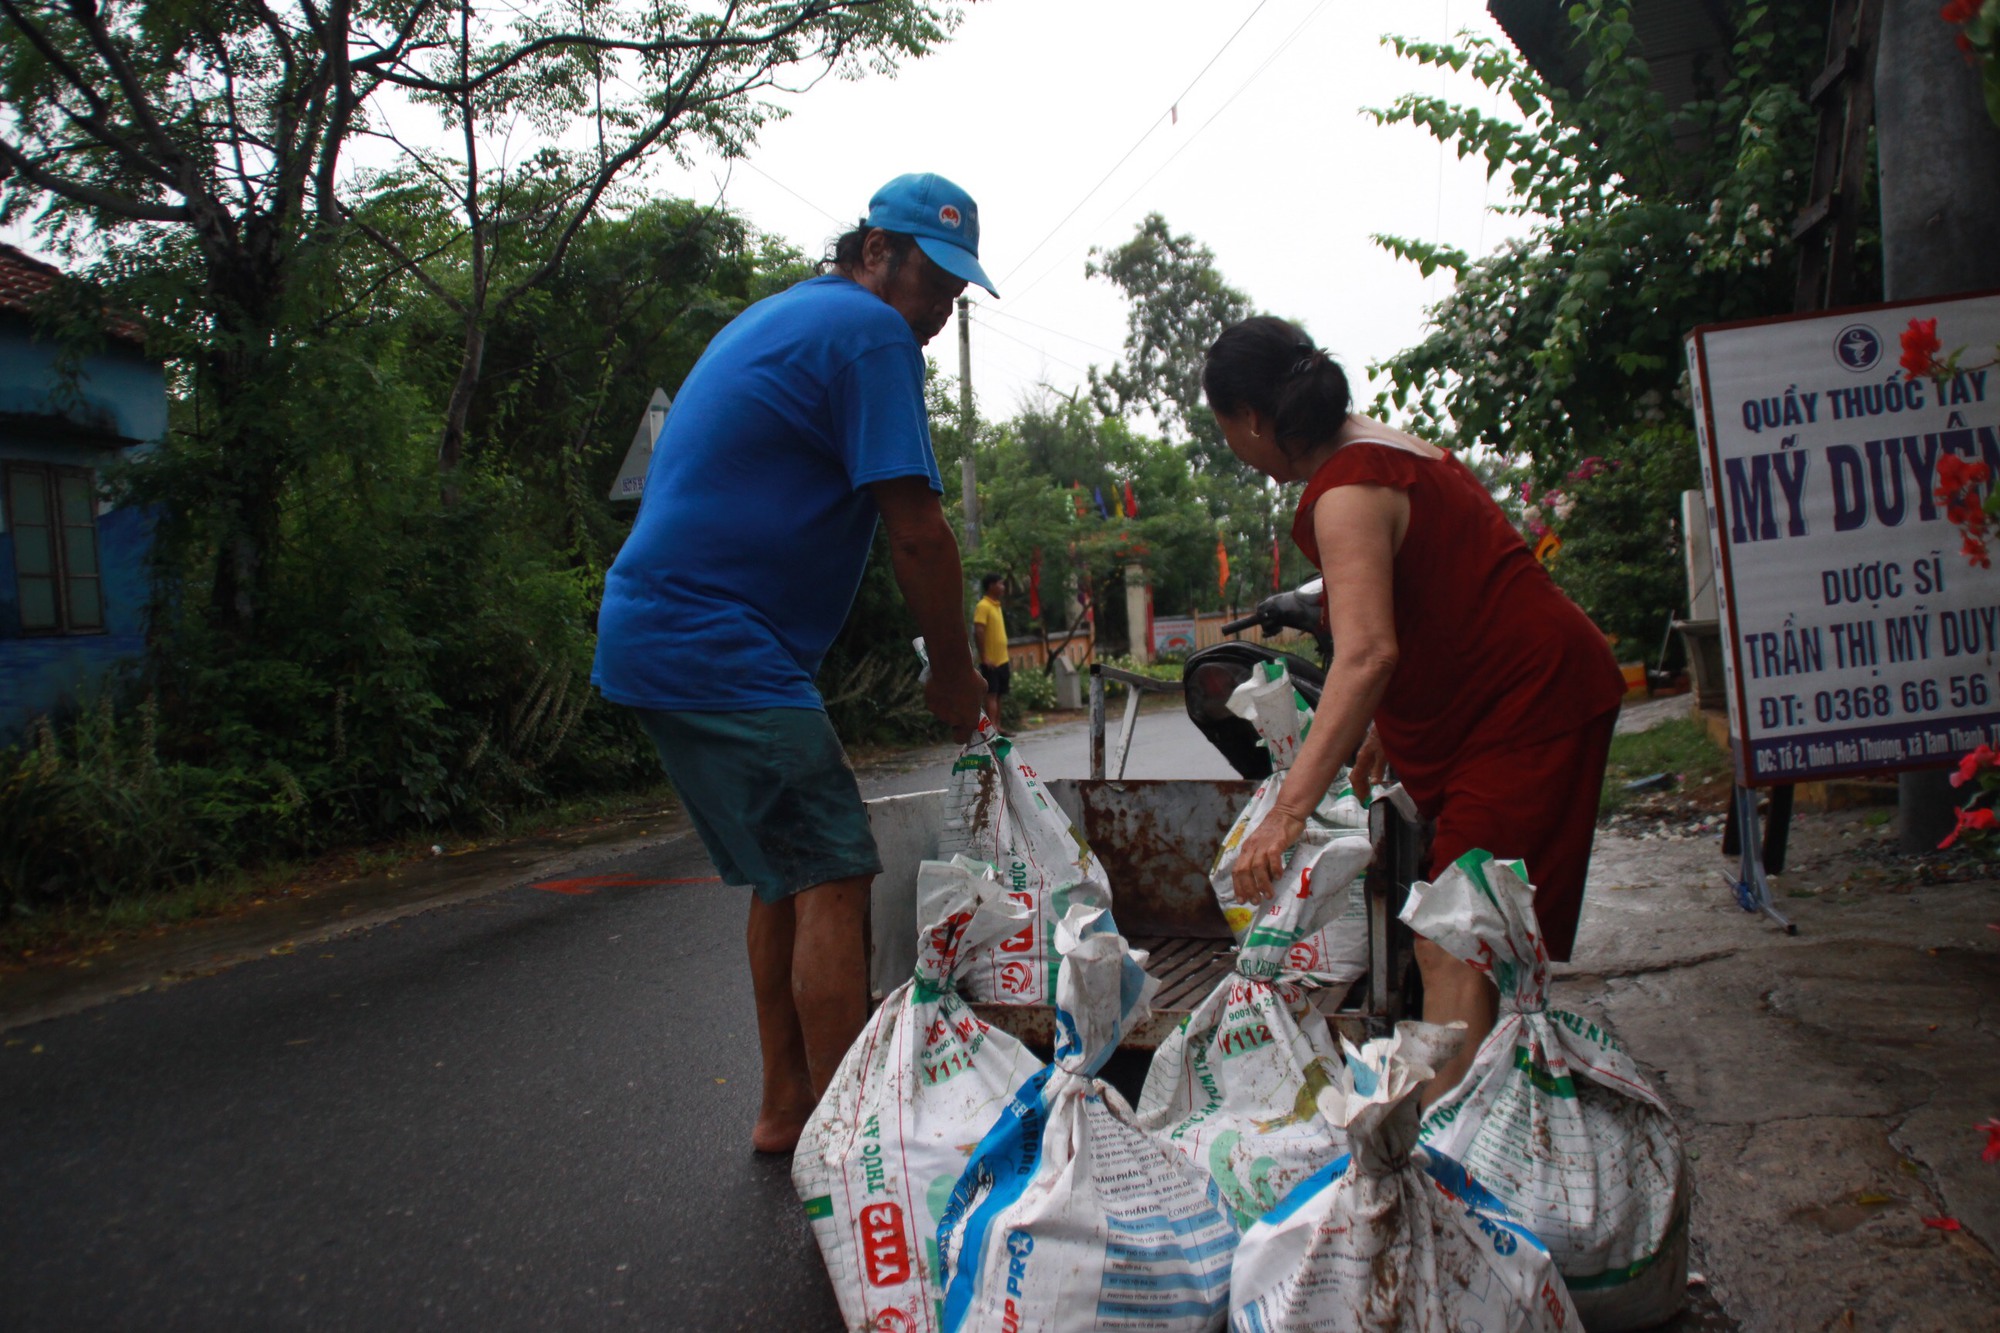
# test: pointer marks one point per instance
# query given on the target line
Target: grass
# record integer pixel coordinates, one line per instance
(81, 927)
(1681, 747)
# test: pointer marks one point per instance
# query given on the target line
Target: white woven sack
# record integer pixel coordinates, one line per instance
(998, 811)
(1394, 1236)
(880, 1154)
(1234, 1086)
(1554, 1118)
(1069, 1216)
(1337, 953)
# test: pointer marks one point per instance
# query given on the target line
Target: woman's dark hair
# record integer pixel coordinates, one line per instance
(1271, 365)
(844, 251)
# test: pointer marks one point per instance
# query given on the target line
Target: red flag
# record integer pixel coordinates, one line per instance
(1276, 564)
(1076, 494)
(1035, 586)
(1221, 565)
(1131, 502)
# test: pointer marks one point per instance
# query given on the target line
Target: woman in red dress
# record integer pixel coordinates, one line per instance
(1456, 658)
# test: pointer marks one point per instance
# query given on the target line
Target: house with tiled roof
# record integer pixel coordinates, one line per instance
(74, 586)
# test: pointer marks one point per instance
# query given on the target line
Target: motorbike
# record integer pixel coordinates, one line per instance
(1210, 675)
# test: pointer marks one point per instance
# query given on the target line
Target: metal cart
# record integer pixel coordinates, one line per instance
(1156, 840)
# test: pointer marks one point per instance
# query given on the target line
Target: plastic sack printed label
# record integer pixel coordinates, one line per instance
(1337, 953)
(924, 1080)
(1069, 1216)
(998, 811)
(1394, 1235)
(1235, 1087)
(1554, 1117)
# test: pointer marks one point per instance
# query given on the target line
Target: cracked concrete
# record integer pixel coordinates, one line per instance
(1828, 1084)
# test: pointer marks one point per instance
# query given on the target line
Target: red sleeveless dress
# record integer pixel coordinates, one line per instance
(1498, 719)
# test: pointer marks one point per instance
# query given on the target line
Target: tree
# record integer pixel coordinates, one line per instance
(1178, 304)
(1647, 220)
(228, 121)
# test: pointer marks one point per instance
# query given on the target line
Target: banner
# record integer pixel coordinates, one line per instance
(1173, 634)
(1859, 638)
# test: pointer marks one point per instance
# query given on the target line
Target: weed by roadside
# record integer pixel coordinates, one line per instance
(1680, 748)
(68, 927)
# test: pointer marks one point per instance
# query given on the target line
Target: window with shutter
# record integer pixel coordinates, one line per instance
(52, 517)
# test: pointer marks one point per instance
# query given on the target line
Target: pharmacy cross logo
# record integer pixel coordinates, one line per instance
(949, 216)
(1857, 347)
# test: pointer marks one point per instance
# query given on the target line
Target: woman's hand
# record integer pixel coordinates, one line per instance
(1369, 766)
(1261, 859)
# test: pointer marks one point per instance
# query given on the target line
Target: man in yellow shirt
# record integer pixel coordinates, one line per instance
(989, 632)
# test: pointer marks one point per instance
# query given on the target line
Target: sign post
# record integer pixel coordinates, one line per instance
(1857, 638)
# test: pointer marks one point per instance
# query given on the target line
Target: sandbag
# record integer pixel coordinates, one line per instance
(1234, 1087)
(1554, 1118)
(998, 811)
(1069, 1216)
(1337, 953)
(1395, 1236)
(880, 1154)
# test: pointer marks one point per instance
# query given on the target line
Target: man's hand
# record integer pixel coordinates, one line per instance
(956, 702)
(1260, 861)
(925, 555)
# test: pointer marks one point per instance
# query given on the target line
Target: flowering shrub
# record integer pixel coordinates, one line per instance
(1976, 818)
(1979, 37)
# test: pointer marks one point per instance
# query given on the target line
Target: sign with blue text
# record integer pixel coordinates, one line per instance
(1860, 638)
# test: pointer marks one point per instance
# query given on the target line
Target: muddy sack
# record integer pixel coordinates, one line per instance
(1235, 1087)
(1553, 1117)
(998, 811)
(1395, 1235)
(880, 1154)
(1069, 1215)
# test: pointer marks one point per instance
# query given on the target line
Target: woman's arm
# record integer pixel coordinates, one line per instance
(1359, 529)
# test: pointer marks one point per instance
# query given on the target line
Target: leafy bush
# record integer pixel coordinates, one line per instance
(1034, 690)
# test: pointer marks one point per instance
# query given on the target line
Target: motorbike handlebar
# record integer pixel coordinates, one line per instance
(1238, 626)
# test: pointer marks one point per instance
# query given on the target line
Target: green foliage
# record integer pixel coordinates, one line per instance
(1682, 747)
(1033, 691)
(1648, 219)
(1178, 305)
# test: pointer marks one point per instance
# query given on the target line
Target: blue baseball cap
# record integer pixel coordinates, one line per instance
(941, 216)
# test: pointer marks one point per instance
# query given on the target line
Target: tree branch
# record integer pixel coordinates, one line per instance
(89, 195)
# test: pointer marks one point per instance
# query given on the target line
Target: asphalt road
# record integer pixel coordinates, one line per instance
(528, 1111)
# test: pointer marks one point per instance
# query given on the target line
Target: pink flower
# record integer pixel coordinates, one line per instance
(1920, 347)
(1969, 821)
(1975, 763)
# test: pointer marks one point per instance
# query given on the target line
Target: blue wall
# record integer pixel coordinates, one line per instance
(120, 402)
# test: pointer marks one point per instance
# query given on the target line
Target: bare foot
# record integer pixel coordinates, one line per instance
(778, 1131)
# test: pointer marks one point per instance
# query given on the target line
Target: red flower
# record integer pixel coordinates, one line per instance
(1975, 763)
(1969, 821)
(1991, 1129)
(1920, 347)
(1955, 473)
(1960, 11)
(1974, 551)
(1943, 1224)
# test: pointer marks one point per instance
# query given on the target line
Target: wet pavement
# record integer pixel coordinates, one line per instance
(520, 1107)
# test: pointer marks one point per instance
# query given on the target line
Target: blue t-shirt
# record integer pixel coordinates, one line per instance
(754, 529)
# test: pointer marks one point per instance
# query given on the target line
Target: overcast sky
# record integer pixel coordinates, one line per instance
(1055, 115)
(1270, 162)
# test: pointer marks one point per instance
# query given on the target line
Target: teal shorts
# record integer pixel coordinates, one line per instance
(771, 794)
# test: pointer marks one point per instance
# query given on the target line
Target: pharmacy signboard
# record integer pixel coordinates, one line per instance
(1859, 638)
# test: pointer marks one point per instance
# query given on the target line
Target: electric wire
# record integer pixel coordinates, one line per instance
(1164, 116)
(1185, 144)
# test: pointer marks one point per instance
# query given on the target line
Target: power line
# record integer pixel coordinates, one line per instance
(1042, 351)
(1185, 144)
(790, 191)
(1008, 314)
(1168, 115)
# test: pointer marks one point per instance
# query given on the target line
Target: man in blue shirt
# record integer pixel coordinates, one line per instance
(803, 422)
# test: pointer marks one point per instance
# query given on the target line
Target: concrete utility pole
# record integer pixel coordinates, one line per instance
(968, 477)
(1939, 161)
